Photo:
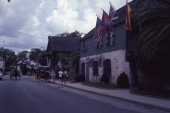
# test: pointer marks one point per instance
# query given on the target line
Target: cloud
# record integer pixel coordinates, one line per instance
(26, 24)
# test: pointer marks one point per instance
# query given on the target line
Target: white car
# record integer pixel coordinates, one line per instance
(1, 75)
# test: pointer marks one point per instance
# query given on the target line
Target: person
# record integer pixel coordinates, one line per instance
(60, 78)
(53, 75)
(37, 74)
(65, 75)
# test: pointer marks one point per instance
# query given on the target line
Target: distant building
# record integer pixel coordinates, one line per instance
(66, 45)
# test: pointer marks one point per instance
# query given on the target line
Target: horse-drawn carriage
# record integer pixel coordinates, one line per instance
(14, 72)
(43, 72)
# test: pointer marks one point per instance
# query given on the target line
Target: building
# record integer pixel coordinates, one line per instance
(107, 56)
(65, 45)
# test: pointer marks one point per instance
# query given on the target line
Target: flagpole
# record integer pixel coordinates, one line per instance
(98, 16)
(112, 5)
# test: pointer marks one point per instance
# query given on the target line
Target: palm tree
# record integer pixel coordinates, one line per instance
(152, 20)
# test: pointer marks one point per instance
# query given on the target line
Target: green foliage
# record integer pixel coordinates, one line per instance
(75, 34)
(8, 55)
(79, 78)
(105, 78)
(22, 54)
(66, 67)
(56, 71)
(123, 80)
(34, 53)
(152, 23)
(76, 57)
(62, 57)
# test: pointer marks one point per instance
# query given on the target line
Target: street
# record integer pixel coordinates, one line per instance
(29, 96)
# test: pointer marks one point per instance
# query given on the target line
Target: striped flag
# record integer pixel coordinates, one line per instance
(97, 37)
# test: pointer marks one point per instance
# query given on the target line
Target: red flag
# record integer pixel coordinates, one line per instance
(105, 22)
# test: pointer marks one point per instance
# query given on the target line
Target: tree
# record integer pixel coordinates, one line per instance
(8, 55)
(62, 58)
(152, 21)
(34, 54)
(22, 55)
(75, 34)
(75, 60)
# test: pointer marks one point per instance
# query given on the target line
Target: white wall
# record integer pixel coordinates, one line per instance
(118, 65)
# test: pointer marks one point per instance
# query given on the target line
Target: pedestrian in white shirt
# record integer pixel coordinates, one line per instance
(60, 78)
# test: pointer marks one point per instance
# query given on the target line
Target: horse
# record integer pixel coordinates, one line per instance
(15, 73)
(42, 75)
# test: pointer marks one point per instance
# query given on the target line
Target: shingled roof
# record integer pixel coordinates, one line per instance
(122, 17)
(63, 44)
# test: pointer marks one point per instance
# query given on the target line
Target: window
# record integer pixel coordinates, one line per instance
(99, 45)
(107, 67)
(110, 37)
(83, 68)
(95, 69)
(84, 46)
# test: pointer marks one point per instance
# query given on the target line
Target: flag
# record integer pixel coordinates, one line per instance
(130, 44)
(113, 14)
(97, 37)
(128, 20)
(104, 24)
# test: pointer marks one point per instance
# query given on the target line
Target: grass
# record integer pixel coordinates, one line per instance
(100, 85)
(159, 94)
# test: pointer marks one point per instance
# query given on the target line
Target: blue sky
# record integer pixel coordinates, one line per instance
(26, 24)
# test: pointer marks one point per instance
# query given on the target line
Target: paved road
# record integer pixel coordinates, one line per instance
(28, 96)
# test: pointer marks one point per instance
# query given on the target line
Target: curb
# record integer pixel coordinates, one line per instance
(124, 99)
(121, 98)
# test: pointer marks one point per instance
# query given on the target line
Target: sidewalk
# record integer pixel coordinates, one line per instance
(124, 95)
(158, 103)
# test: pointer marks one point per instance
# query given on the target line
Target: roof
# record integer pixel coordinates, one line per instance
(122, 17)
(63, 44)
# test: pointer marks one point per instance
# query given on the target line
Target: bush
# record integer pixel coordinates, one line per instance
(123, 80)
(79, 78)
(105, 78)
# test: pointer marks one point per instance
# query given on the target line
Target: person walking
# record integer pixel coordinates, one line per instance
(53, 75)
(65, 75)
(60, 78)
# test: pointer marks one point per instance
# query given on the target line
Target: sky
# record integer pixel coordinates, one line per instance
(26, 24)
